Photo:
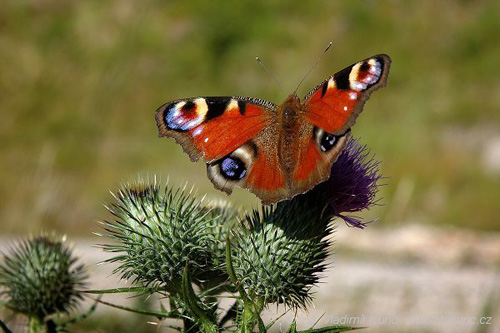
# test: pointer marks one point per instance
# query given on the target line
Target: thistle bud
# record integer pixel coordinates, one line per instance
(41, 277)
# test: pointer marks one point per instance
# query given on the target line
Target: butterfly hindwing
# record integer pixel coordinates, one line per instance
(255, 166)
(316, 157)
(212, 127)
(335, 104)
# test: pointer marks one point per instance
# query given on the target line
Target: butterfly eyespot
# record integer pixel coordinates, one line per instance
(325, 141)
(185, 115)
(365, 74)
(233, 168)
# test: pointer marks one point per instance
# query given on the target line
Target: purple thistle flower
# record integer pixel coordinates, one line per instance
(352, 185)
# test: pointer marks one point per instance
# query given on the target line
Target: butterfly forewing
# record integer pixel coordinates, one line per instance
(335, 104)
(212, 127)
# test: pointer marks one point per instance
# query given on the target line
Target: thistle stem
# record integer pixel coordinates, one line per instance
(36, 325)
(251, 315)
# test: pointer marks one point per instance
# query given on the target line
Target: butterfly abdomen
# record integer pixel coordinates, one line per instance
(288, 128)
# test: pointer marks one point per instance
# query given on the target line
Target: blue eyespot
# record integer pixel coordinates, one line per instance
(327, 141)
(182, 119)
(233, 168)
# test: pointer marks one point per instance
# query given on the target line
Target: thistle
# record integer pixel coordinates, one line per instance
(166, 241)
(40, 277)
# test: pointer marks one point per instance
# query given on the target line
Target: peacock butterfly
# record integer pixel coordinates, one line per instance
(275, 151)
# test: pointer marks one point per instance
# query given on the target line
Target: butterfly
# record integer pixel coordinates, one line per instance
(275, 151)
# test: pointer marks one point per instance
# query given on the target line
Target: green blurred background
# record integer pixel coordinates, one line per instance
(80, 82)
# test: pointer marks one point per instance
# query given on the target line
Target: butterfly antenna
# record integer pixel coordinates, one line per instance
(312, 67)
(269, 72)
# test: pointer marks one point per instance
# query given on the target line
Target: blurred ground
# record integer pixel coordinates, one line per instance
(411, 279)
(408, 279)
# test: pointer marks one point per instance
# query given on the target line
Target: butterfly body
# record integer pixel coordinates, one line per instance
(276, 151)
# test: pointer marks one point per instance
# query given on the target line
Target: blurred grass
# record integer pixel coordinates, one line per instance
(80, 81)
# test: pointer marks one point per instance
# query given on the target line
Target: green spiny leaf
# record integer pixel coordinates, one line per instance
(192, 300)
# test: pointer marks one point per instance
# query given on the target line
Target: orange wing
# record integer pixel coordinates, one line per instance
(229, 133)
(332, 108)
(335, 104)
(212, 127)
